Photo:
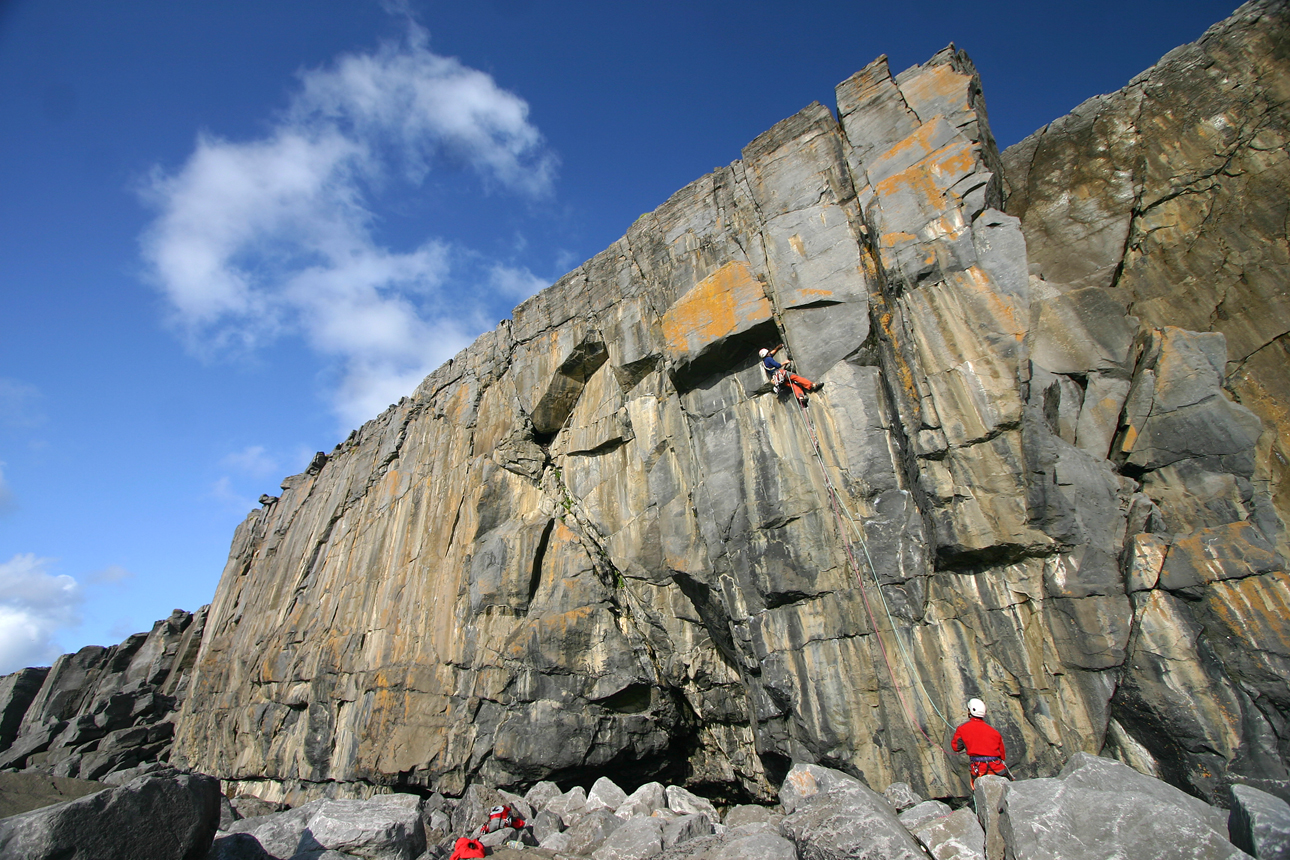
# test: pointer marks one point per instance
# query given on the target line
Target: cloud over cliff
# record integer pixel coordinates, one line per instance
(277, 236)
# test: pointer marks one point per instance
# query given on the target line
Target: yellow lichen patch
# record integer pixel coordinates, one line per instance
(897, 237)
(934, 83)
(796, 241)
(726, 302)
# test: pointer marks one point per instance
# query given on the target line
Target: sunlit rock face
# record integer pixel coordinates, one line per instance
(597, 542)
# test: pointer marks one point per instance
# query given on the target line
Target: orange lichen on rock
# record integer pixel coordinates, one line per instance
(728, 301)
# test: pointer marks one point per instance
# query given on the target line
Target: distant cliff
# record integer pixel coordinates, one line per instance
(597, 542)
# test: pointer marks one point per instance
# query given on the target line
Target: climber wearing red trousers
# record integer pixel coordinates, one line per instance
(983, 744)
(780, 374)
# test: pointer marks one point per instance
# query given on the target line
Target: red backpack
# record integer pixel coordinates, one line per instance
(466, 848)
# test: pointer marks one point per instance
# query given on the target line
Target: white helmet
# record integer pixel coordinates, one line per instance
(976, 707)
(764, 353)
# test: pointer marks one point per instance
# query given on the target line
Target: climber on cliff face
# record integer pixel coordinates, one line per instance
(780, 375)
(983, 744)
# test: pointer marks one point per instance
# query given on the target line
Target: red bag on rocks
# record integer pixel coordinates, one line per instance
(466, 848)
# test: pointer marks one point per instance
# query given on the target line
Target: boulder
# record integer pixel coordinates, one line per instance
(605, 794)
(751, 813)
(643, 801)
(957, 836)
(546, 823)
(923, 813)
(848, 820)
(386, 827)
(591, 831)
(1259, 823)
(237, 846)
(686, 803)
(1098, 808)
(686, 827)
(901, 796)
(541, 793)
(988, 800)
(157, 818)
(638, 839)
(753, 842)
(570, 806)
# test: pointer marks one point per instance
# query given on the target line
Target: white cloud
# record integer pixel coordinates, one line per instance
(222, 491)
(516, 283)
(259, 239)
(34, 606)
(253, 460)
(113, 574)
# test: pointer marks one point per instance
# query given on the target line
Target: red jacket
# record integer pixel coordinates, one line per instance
(979, 738)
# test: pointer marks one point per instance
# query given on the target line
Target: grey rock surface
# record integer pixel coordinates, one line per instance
(684, 802)
(637, 839)
(643, 801)
(987, 798)
(591, 831)
(749, 813)
(686, 828)
(170, 818)
(604, 794)
(923, 813)
(1101, 808)
(845, 820)
(1259, 823)
(901, 796)
(957, 836)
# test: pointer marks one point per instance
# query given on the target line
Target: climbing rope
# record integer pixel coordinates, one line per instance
(841, 512)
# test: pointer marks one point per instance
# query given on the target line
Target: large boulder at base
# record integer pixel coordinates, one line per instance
(638, 839)
(153, 818)
(753, 842)
(643, 801)
(836, 816)
(687, 803)
(751, 813)
(957, 836)
(591, 831)
(987, 797)
(385, 827)
(901, 796)
(1097, 808)
(1259, 823)
(605, 794)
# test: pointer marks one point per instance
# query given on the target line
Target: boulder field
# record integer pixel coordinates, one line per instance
(1093, 809)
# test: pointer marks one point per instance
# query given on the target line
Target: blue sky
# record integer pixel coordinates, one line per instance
(231, 232)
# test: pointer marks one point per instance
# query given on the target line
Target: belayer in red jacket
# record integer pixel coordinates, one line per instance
(982, 743)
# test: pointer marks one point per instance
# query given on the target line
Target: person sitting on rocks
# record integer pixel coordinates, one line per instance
(983, 744)
(780, 374)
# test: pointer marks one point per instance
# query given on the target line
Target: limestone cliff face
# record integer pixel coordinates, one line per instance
(597, 542)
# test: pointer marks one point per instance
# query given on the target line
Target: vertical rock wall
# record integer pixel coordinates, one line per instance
(597, 542)
(1171, 197)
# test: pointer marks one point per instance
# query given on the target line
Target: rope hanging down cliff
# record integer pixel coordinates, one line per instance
(841, 512)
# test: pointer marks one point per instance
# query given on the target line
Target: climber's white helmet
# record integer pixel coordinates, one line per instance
(764, 353)
(976, 707)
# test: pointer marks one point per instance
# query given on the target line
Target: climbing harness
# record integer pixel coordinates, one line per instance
(841, 513)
